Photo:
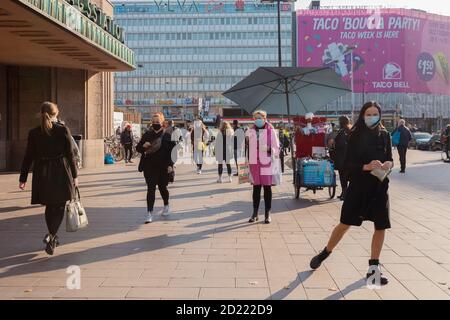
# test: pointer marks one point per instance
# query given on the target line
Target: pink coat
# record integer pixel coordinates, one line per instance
(261, 164)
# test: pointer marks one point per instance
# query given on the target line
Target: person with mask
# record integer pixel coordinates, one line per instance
(199, 137)
(126, 139)
(340, 151)
(224, 145)
(369, 147)
(156, 163)
(402, 146)
(50, 152)
(263, 147)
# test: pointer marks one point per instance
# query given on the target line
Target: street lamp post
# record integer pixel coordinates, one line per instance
(279, 24)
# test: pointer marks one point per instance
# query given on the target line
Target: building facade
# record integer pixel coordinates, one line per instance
(189, 52)
(65, 51)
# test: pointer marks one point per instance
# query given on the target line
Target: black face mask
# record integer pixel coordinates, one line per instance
(156, 126)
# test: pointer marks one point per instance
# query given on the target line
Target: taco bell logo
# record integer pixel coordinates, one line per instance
(392, 71)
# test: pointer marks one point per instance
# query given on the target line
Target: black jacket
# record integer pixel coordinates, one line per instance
(340, 148)
(405, 136)
(159, 160)
(126, 137)
(54, 165)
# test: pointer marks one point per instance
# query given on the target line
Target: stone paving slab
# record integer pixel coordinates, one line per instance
(206, 249)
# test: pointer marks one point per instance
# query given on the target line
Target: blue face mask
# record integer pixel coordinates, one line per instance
(260, 123)
(371, 120)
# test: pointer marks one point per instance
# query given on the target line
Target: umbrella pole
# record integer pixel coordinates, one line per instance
(286, 91)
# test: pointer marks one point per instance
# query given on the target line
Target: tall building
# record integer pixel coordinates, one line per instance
(189, 52)
(60, 51)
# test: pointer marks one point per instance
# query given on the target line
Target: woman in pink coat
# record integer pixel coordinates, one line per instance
(263, 162)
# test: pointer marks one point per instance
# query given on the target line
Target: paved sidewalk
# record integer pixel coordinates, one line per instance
(207, 250)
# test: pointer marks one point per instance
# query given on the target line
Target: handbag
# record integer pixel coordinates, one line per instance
(201, 146)
(76, 217)
(243, 173)
(276, 171)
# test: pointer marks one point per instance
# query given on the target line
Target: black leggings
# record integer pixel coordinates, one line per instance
(128, 151)
(54, 215)
(267, 197)
(151, 192)
(220, 169)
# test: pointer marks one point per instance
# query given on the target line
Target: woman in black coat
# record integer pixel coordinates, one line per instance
(156, 162)
(369, 148)
(50, 149)
(340, 150)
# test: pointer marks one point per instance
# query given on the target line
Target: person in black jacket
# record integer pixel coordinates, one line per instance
(126, 139)
(50, 151)
(340, 150)
(369, 147)
(156, 163)
(446, 140)
(402, 147)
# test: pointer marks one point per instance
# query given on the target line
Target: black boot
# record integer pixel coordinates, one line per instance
(51, 244)
(267, 218)
(376, 262)
(317, 260)
(254, 216)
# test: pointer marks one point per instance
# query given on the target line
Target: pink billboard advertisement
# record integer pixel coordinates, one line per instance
(394, 50)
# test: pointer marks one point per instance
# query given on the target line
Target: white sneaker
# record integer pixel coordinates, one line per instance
(166, 211)
(219, 180)
(149, 218)
(229, 179)
(199, 171)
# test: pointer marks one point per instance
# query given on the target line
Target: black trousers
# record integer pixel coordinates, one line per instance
(151, 193)
(402, 154)
(54, 215)
(282, 160)
(267, 197)
(220, 168)
(343, 177)
(128, 151)
(447, 149)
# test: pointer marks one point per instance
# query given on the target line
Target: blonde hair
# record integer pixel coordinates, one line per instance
(226, 126)
(160, 115)
(49, 110)
(261, 113)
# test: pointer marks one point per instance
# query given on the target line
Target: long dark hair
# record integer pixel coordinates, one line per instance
(360, 124)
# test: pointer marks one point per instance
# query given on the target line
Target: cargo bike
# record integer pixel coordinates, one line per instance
(313, 169)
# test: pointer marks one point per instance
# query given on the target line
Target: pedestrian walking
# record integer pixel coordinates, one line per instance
(446, 141)
(199, 137)
(126, 139)
(49, 150)
(156, 163)
(238, 143)
(369, 148)
(340, 151)
(403, 142)
(264, 148)
(224, 149)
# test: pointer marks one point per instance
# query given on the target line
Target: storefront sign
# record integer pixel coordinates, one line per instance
(94, 13)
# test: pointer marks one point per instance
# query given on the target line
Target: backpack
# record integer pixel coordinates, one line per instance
(396, 135)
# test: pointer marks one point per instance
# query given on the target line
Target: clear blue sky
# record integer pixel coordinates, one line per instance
(432, 6)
